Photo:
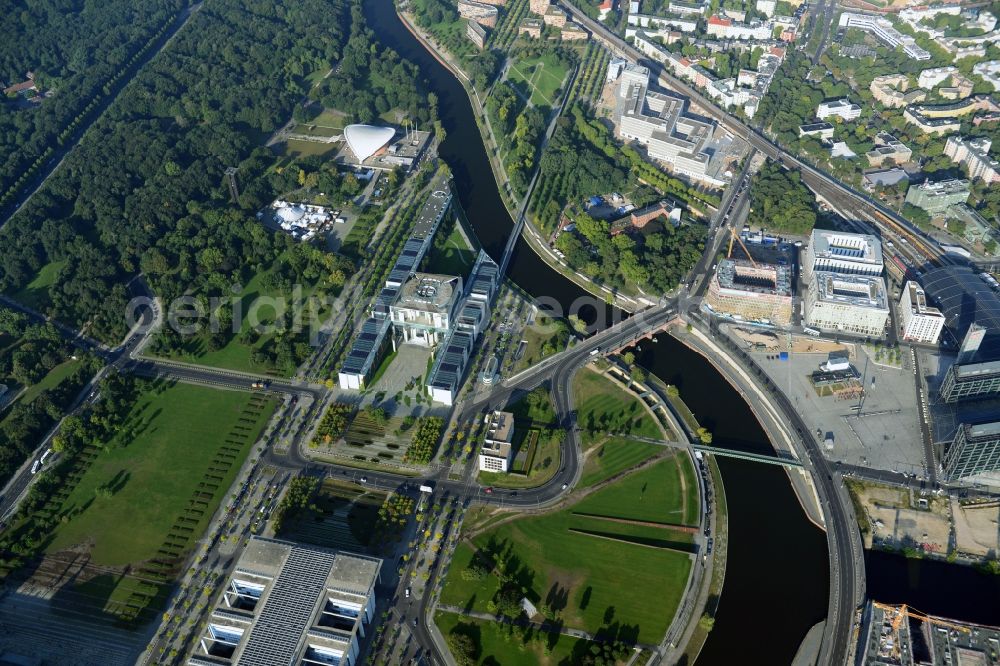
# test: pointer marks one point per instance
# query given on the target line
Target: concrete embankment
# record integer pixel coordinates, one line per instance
(767, 415)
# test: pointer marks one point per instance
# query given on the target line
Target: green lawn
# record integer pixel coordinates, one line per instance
(654, 494)
(455, 257)
(535, 407)
(541, 76)
(544, 465)
(156, 464)
(496, 647)
(604, 408)
(299, 149)
(613, 456)
(574, 563)
(35, 294)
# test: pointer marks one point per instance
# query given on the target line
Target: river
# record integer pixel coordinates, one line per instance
(777, 579)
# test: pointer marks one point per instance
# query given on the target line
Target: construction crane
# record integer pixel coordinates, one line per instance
(908, 611)
(734, 237)
(903, 610)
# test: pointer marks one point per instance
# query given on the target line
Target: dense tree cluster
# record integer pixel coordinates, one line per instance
(334, 423)
(76, 47)
(518, 129)
(780, 201)
(297, 498)
(425, 438)
(144, 189)
(370, 80)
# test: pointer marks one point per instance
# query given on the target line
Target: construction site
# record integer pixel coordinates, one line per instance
(754, 284)
(903, 636)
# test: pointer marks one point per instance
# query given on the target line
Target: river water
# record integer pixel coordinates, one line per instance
(777, 578)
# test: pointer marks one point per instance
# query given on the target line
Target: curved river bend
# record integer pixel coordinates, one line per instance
(777, 577)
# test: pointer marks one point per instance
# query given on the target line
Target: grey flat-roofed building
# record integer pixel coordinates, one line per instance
(973, 452)
(936, 197)
(971, 381)
(855, 304)
(966, 297)
(884, 177)
(289, 603)
(841, 252)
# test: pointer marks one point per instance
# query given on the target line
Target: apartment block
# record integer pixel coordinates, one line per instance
(974, 155)
(888, 149)
(843, 108)
(883, 29)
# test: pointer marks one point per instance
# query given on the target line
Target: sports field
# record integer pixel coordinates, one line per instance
(573, 563)
(155, 466)
(539, 77)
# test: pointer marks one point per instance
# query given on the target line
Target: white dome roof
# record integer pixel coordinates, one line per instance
(291, 213)
(366, 140)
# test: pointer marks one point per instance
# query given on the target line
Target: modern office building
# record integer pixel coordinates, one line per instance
(883, 29)
(843, 108)
(919, 321)
(937, 197)
(974, 154)
(855, 304)
(374, 338)
(288, 603)
(424, 310)
(495, 453)
(758, 293)
(841, 252)
(971, 381)
(659, 121)
(452, 357)
(888, 149)
(974, 452)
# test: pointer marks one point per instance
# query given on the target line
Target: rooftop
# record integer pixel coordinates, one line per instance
(977, 370)
(864, 291)
(742, 275)
(964, 297)
(856, 248)
(429, 292)
(982, 430)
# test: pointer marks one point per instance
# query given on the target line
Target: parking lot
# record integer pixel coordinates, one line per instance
(881, 429)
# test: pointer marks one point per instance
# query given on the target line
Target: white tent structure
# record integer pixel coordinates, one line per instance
(366, 140)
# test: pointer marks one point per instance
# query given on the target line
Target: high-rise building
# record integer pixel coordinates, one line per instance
(974, 451)
(974, 154)
(971, 381)
(288, 603)
(919, 321)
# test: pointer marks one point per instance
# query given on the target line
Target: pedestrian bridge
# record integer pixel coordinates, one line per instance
(744, 455)
(721, 451)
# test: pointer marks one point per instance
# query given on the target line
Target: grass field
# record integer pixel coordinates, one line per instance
(35, 294)
(51, 380)
(539, 78)
(573, 563)
(455, 257)
(495, 646)
(613, 456)
(603, 408)
(298, 149)
(155, 466)
(662, 493)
